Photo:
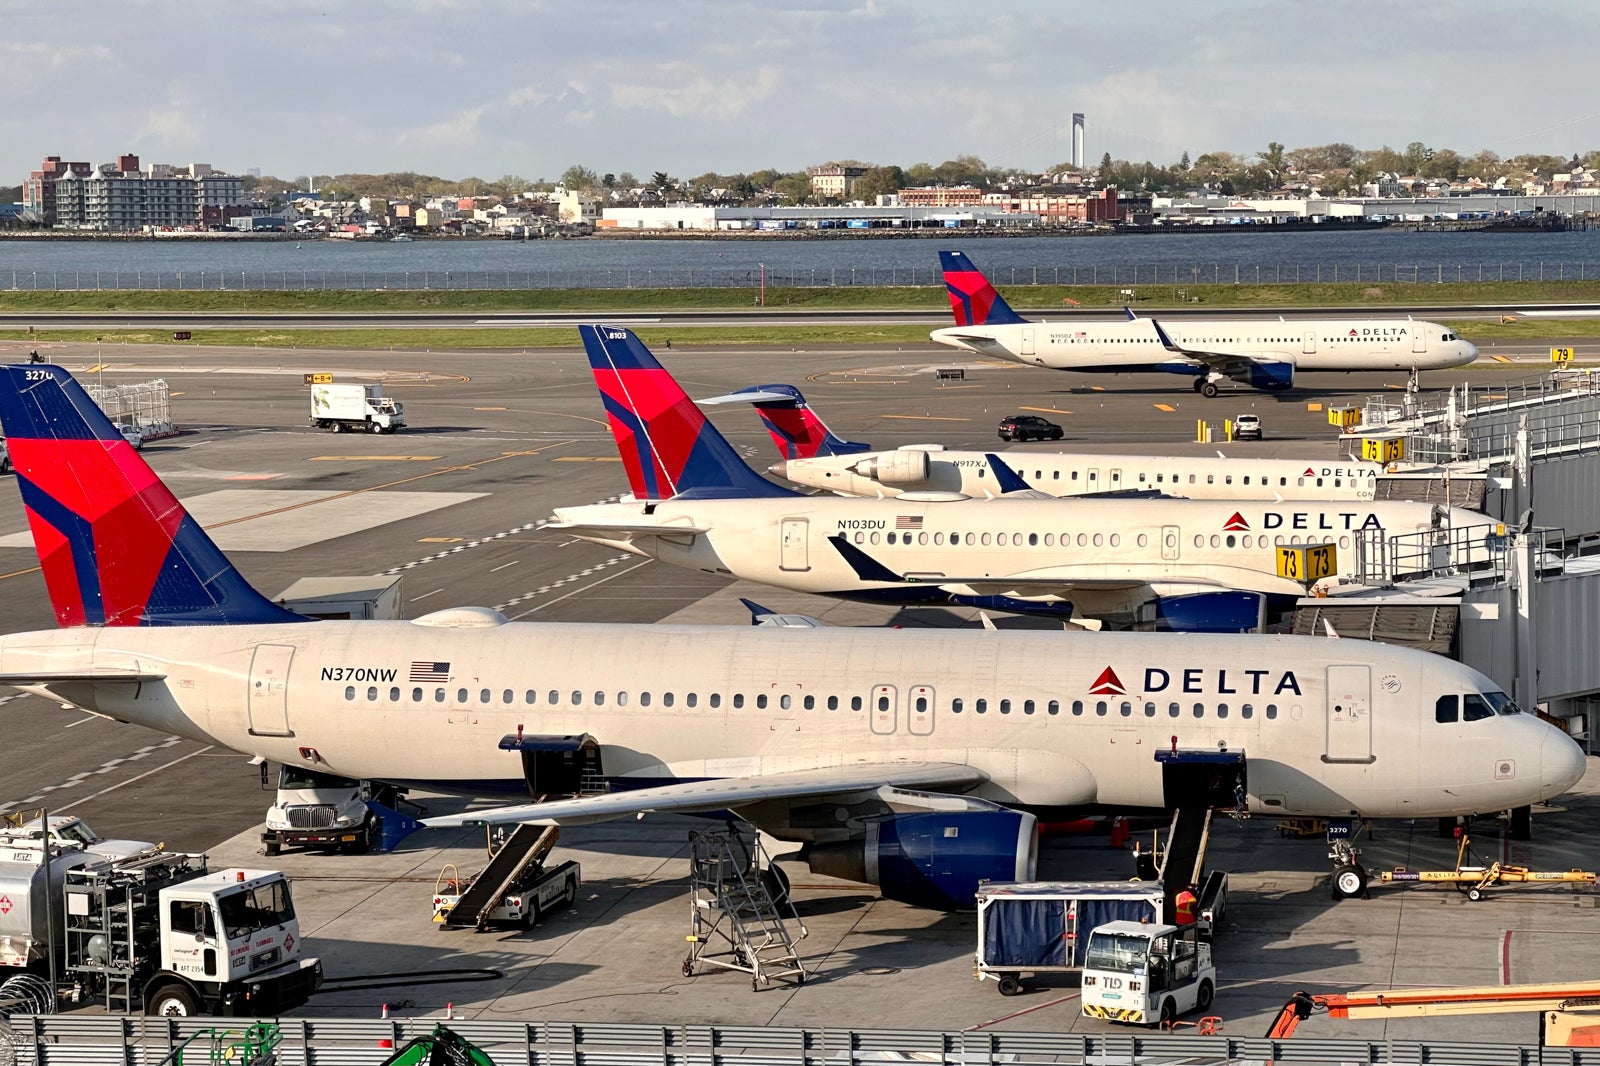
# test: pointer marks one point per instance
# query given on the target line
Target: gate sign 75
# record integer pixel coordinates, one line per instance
(1307, 562)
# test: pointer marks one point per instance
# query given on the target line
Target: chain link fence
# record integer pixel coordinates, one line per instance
(1177, 276)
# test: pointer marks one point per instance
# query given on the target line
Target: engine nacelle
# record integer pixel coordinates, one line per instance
(1270, 376)
(895, 468)
(935, 859)
(1211, 612)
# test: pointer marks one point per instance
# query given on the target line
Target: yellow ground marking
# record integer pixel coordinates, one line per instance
(178, 394)
(1167, 407)
(1048, 410)
(587, 459)
(1495, 396)
(352, 492)
(439, 540)
(96, 368)
(1097, 388)
(489, 408)
(1313, 407)
(373, 458)
(1501, 358)
(929, 418)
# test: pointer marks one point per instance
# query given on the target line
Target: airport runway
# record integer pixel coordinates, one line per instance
(454, 505)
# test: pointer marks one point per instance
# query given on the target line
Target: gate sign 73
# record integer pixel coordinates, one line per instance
(1306, 563)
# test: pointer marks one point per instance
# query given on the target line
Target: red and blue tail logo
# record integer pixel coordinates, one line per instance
(667, 446)
(973, 300)
(796, 429)
(116, 547)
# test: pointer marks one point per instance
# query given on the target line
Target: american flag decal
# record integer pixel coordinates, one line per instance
(907, 521)
(430, 671)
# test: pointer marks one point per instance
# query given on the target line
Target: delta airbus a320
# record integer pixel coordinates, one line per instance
(1254, 352)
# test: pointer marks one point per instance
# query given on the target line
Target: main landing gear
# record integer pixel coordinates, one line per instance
(1206, 387)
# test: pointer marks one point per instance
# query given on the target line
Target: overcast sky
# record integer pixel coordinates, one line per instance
(488, 88)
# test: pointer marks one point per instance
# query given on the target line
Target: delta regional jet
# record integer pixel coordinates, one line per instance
(1205, 565)
(814, 457)
(917, 760)
(1253, 352)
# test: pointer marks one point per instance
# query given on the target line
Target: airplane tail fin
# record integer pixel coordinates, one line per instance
(796, 428)
(667, 445)
(972, 299)
(116, 547)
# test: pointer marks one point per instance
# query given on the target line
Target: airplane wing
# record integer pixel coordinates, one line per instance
(613, 530)
(766, 616)
(79, 677)
(1245, 368)
(726, 793)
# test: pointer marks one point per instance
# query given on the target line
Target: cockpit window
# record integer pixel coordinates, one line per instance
(1476, 709)
(1449, 336)
(1502, 703)
(1447, 709)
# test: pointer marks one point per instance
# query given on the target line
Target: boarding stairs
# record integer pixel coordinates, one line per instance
(527, 845)
(741, 915)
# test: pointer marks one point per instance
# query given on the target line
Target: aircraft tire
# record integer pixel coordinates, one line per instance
(1522, 823)
(1349, 881)
(1209, 390)
(1198, 383)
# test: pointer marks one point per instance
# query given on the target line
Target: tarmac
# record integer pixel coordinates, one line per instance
(494, 441)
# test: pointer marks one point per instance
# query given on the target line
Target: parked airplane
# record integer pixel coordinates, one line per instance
(912, 759)
(1253, 352)
(813, 456)
(1199, 564)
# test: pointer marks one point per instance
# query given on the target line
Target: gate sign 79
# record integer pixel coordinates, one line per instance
(1561, 355)
(1307, 562)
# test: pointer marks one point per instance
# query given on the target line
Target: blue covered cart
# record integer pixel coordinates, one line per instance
(1034, 927)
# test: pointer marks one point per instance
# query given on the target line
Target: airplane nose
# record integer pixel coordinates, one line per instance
(1562, 763)
(1470, 349)
(779, 468)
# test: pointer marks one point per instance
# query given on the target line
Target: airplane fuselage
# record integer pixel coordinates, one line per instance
(933, 469)
(1105, 556)
(1329, 728)
(1133, 346)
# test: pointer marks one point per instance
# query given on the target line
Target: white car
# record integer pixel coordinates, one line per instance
(132, 434)
(1247, 427)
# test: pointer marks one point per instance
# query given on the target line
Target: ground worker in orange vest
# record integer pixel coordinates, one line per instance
(1184, 904)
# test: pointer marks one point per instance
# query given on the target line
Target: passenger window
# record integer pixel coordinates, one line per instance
(483, 695)
(508, 696)
(438, 695)
(599, 699)
(1173, 710)
(1476, 708)
(1246, 711)
(622, 699)
(1100, 708)
(416, 695)
(1033, 540)
(1272, 711)
(716, 700)
(394, 695)
(555, 697)
(644, 699)
(1447, 709)
(690, 699)
(1005, 706)
(1199, 710)
(461, 696)
(1127, 709)
(1077, 706)
(855, 703)
(1027, 706)
(761, 701)
(1000, 539)
(1053, 707)
(350, 692)
(833, 703)
(981, 706)
(956, 705)
(785, 702)
(530, 697)
(1149, 709)
(1222, 710)
(668, 699)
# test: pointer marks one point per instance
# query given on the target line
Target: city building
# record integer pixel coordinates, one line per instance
(120, 198)
(941, 196)
(39, 191)
(834, 181)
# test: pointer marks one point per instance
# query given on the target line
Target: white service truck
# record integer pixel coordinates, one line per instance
(155, 931)
(356, 408)
(1146, 974)
(323, 810)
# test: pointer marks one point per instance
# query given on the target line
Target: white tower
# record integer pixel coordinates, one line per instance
(1077, 140)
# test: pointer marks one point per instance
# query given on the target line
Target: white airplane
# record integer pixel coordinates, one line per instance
(1198, 564)
(1260, 354)
(914, 760)
(814, 457)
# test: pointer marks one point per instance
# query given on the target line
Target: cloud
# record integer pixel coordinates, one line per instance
(683, 90)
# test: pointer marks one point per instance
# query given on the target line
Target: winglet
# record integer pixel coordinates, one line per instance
(1132, 315)
(115, 545)
(1006, 478)
(757, 612)
(666, 443)
(866, 567)
(1166, 341)
(973, 300)
(796, 428)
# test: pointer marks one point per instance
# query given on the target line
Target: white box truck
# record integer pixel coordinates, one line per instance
(355, 408)
(314, 809)
(155, 932)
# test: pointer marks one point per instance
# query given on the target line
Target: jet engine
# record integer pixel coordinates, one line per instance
(895, 468)
(1270, 376)
(935, 859)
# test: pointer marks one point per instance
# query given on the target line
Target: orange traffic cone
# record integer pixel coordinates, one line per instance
(388, 1041)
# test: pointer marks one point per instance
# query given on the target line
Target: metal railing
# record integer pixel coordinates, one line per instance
(1481, 552)
(1562, 411)
(107, 1041)
(1176, 276)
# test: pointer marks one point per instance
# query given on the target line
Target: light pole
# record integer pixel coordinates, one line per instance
(761, 299)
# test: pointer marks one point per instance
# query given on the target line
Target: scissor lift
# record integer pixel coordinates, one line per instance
(736, 921)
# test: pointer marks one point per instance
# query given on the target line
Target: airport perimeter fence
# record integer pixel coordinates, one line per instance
(112, 1041)
(1131, 277)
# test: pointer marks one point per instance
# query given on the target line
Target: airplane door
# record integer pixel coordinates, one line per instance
(1349, 714)
(1027, 342)
(1419, 341)
(1171, 543)
(268, 698)
(885, 709)
(793, 536)
(919, 711)
(1309, 345)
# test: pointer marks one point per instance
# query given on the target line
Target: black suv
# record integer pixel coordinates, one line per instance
(1028, 427)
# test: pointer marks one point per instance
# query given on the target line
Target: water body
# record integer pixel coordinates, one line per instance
(1242, 255)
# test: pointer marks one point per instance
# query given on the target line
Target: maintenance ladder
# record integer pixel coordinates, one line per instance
(737, 924)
